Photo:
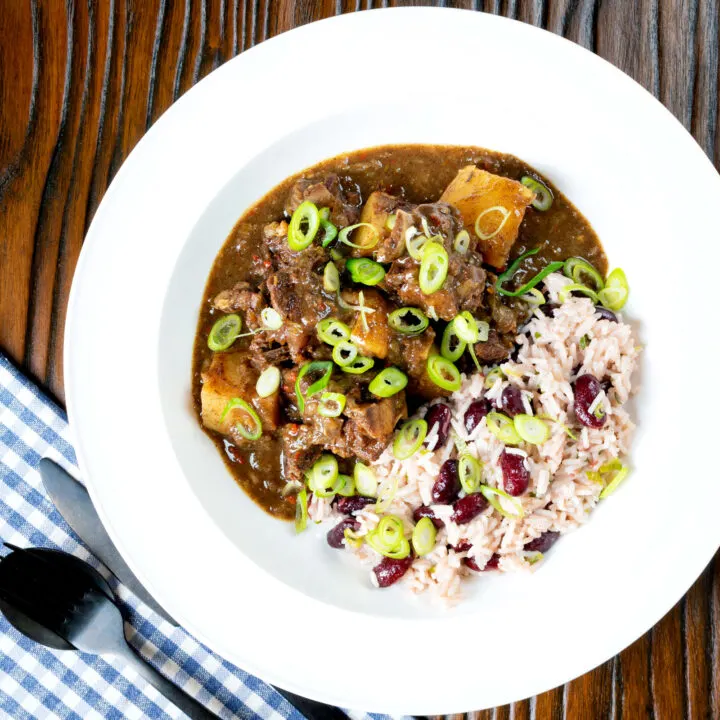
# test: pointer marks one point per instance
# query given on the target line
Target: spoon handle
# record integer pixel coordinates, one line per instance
(191, 707)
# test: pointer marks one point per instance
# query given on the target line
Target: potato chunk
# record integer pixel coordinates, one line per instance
(373, 340)
(378, 207)
(231, 375)
(474, 191)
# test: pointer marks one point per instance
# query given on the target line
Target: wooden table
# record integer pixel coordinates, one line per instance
(81, 82)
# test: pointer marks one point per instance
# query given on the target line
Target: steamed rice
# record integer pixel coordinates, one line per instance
(560, 495)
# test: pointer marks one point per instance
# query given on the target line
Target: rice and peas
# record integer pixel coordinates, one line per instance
(567, 473)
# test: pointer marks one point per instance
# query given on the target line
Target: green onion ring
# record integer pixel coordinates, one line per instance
(443, 373)
(507, 275)
(224, 332)
(324, 474)
(365, 480)
(616, 291)
(495, 208)
(409, 438)
(408, 321)
(301, 511)
(330, 232)
(424, 536)
(492, 494)
(365, 271)
(331, 278)
(271, 318)
(386, 494)
(268, 382)
(543, 195)
(324, 213)
(344, 353)
(433, 269)
(466, 327)
(345, 232)
(390, 221)
(352, 539)
(620, 475)
(576, 267)
(331, 404)
(564, 294)
(470, 473)
(531, 429)
(332, 331)
(254, 431)
(346, 485)
(534, 297)
(359, 365)
(326, 367)
(503, 428)
(388, 382)
(493, 376)
(451, 346)
(306, 213)
(415, 243)
(462, 242)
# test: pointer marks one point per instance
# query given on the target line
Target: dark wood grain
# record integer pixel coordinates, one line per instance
(82, 81)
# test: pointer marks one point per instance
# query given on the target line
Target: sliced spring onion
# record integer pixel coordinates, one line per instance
(452, 347)
(390, 221)
(495, 208)
(324, 474)
(271, 318)
(344, 353)
(611, 466)
(423, 537)
(408, 321)
(466, 327)
(415, 243)
(366, 482)
(249, 425)
(584, 341)
(324, 213)
(483, 330)
(462, 242)
(268, 382)
(324, 366)
(503, 428)
(346, 485)
(620, 473)
(531, 429)
(543, 195)
(352, 539)
(388, 382)
(359, 365)
(344, 235)
(224, 332)
(365, 271)
(613, 484)
(564, 294)
(331, 278)
(386, 493)
(471, 350)
(332, 331)
(388, 538)
(533, 297)
(493, 495)
(409, 438)
(330, 232)
(507, 275)
(577, 269)
(433, 268)
(331, 404)
(470, 473)
(301, 512)
(359, 308)
(616, 291)
(303, 226)
(493, 376)
(443, 373)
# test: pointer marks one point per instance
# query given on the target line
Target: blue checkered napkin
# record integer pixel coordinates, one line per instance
(38, 683)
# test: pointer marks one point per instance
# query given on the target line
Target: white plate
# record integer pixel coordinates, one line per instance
(290, 610)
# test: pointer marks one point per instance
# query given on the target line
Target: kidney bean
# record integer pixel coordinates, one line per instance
(389, 571)
(468, 508)
(587, 387)
(492, 563)
(516, 476)
(543, 543)
(605, 314)
(511, 401)
(353, 504)
(447, 486)
(477, 410)
(425, 511)
(336, 536)
(462, 546)
(439, 415)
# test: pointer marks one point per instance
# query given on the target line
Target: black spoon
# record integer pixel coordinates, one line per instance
(62, 602)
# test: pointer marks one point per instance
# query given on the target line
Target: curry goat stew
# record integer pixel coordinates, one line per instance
(417, 174)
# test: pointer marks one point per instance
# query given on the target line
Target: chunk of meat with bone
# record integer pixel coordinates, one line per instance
(376, 419)
(303, 261)
(495, 349)
(343, 201)
(496, 203)
(241, 298)
(411, 355)
(230, 376)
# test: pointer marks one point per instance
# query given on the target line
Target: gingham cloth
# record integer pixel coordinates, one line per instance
(39, 683)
